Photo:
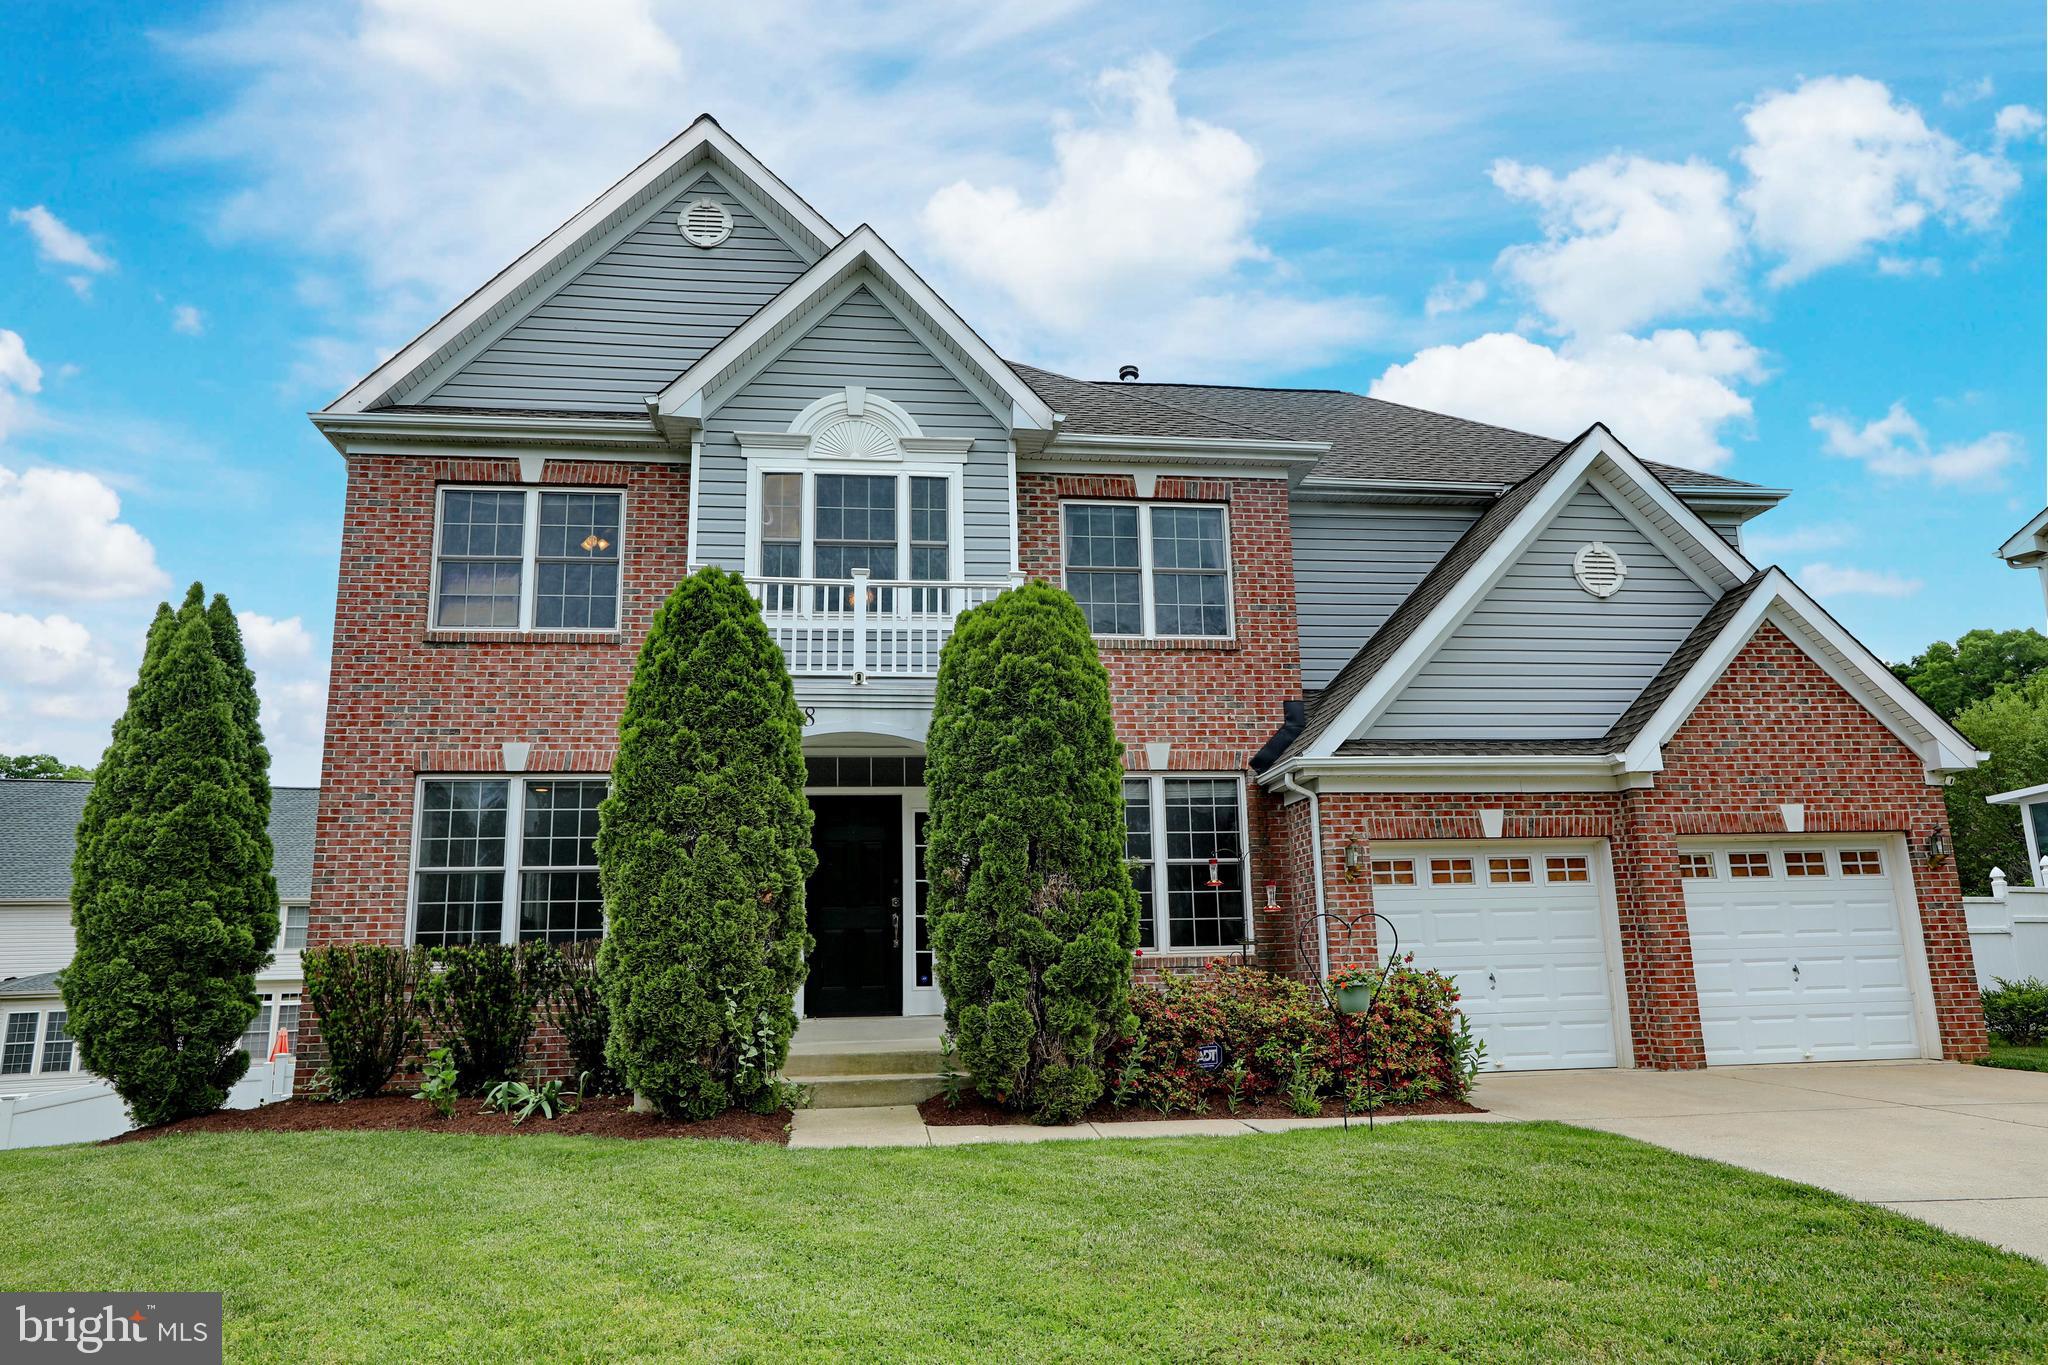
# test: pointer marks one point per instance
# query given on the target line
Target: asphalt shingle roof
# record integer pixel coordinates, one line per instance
(42, 983)
(1369, 438)
(39, 827)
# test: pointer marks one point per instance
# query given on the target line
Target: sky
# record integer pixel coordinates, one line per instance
(1797, 243)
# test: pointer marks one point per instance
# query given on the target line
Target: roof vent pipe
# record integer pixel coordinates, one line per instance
(1127, 373)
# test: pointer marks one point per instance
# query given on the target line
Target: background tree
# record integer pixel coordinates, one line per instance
(173, 902)
(1033, 915)
(39, 765)
(703, 847)
(1952, 677)
(2012, 726)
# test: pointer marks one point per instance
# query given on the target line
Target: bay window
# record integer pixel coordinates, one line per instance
(1157, 569)
(527, 559)
(476, 881)
(1184, 841)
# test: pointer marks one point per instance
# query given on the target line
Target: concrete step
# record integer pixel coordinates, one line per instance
(888, 1059)
(862, 1091)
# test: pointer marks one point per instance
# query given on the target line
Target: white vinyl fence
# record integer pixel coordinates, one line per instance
(2009, 931)
(92, 1112)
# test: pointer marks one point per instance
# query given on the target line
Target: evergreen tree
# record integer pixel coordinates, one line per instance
(173, 903)
(703, 848)
(1033, 915)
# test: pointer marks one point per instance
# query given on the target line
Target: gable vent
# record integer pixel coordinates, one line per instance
(1598, 569)
(705, 222)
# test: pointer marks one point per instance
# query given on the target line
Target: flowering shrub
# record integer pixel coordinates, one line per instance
(1280, 1039)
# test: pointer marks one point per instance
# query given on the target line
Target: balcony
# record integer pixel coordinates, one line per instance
(864, 628)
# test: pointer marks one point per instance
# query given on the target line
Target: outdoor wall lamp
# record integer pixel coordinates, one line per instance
(1354, 859)
(1936, 847)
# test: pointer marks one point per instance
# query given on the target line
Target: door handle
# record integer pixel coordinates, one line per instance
(1795, 971)
(896, 929)
(1489, 979)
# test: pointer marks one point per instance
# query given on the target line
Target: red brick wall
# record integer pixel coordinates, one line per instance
(1775, 729)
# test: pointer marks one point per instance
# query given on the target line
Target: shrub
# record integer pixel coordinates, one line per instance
(478, 1001)
(438, 1083)
(173, 902)
(1415, 1027)
(703, 848)
(577, 1010)
(363, 995)
(1033, 916)
(2016, 1012)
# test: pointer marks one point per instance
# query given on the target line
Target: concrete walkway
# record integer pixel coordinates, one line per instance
(1962, 1147)
(901, 1126)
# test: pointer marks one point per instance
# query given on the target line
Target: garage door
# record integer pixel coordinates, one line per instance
(1521, 931)
(1798, 952)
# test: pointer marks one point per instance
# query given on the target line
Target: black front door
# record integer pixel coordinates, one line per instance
(855, 907)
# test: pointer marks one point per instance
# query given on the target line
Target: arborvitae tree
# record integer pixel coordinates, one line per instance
(173, 903)
(1033, 915)
(703, 848)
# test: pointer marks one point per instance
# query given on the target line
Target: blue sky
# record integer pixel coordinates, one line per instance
(1778, 240)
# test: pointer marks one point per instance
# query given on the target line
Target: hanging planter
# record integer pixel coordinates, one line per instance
(1355, 998)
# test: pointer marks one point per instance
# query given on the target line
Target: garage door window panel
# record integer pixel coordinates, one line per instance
(1749, 865)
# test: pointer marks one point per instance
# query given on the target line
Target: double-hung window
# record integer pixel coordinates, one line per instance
(898, 526)
(1184, 841)
(273, 1012)
(24, 1030)
(1157, 569)
(505, 861)
(527, 559)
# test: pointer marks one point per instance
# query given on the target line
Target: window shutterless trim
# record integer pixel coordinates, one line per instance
(1162, 912)
(515, 847)
(1146, 570)
(529, 558)
(902, 471)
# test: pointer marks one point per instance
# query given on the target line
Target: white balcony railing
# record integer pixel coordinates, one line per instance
(863, 627)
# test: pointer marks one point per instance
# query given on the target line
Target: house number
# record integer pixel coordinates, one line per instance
(810, 715)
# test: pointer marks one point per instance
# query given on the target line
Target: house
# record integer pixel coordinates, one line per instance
(2027, 548)
(38, 834)
(1525, 698)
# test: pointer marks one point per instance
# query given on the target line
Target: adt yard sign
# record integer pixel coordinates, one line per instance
(1209, 1056)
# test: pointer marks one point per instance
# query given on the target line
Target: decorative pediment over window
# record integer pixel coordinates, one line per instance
(853, 424)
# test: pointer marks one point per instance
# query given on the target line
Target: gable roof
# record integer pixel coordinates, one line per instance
(39, 832)
(860, 254)
(1370, 439)
(1488, 546)
(703, 142)
(2027, 546)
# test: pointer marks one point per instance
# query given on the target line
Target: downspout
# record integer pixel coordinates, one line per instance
(1315, 834)
(690, 551)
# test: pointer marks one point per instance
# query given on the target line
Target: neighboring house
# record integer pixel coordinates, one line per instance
(2027, 548)
(38, 833)
(1650, 803)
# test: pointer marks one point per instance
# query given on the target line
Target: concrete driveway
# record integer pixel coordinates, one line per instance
(1963, 1147)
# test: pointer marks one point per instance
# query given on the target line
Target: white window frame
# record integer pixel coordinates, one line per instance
(284, 923)
(514, 865)
(529, 558)
(274, 1002)
(1162, 914)
(903, 471)
(38, 1039)
(1147, 606)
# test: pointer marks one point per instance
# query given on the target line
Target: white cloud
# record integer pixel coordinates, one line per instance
(2015, 123)
(270, 640)
(1896, 446)
(1454, 296)
(1967, 92)
(1837, 166)
(20, 376)
(61, 538)
(52, 668)
(1763, 544)
(1626, 241)
(291, 681)
(57, 243)
(1838, 580)
(187, 320)
(1670, 396)
(1903, 267)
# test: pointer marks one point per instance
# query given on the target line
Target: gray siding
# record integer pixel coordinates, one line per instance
(1727, 525)
(859, 342)
(1540, 658)
(1352, 566)
(632, 320)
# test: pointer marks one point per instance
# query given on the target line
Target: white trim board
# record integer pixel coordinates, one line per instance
(704, 142)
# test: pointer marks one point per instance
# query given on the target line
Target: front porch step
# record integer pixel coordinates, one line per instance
(842, 1091)
(907, 1059)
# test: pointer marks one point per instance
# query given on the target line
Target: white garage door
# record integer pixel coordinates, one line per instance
(1798, 952)
(1521, 930)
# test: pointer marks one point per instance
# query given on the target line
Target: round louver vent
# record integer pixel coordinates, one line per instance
(705, 222)
(1599, 570)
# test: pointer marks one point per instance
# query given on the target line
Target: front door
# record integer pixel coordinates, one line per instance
(855, 901)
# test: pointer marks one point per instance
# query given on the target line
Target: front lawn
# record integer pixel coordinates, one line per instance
(2017, 1058)
(1472, 1241)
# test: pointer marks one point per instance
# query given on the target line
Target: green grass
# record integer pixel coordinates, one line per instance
(2017, 1058)
(1424, 1241)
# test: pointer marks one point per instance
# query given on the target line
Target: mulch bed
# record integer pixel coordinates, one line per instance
(598, 1116)
(974, 1109)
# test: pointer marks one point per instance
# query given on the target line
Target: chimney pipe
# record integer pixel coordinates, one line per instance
(1127, 373)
